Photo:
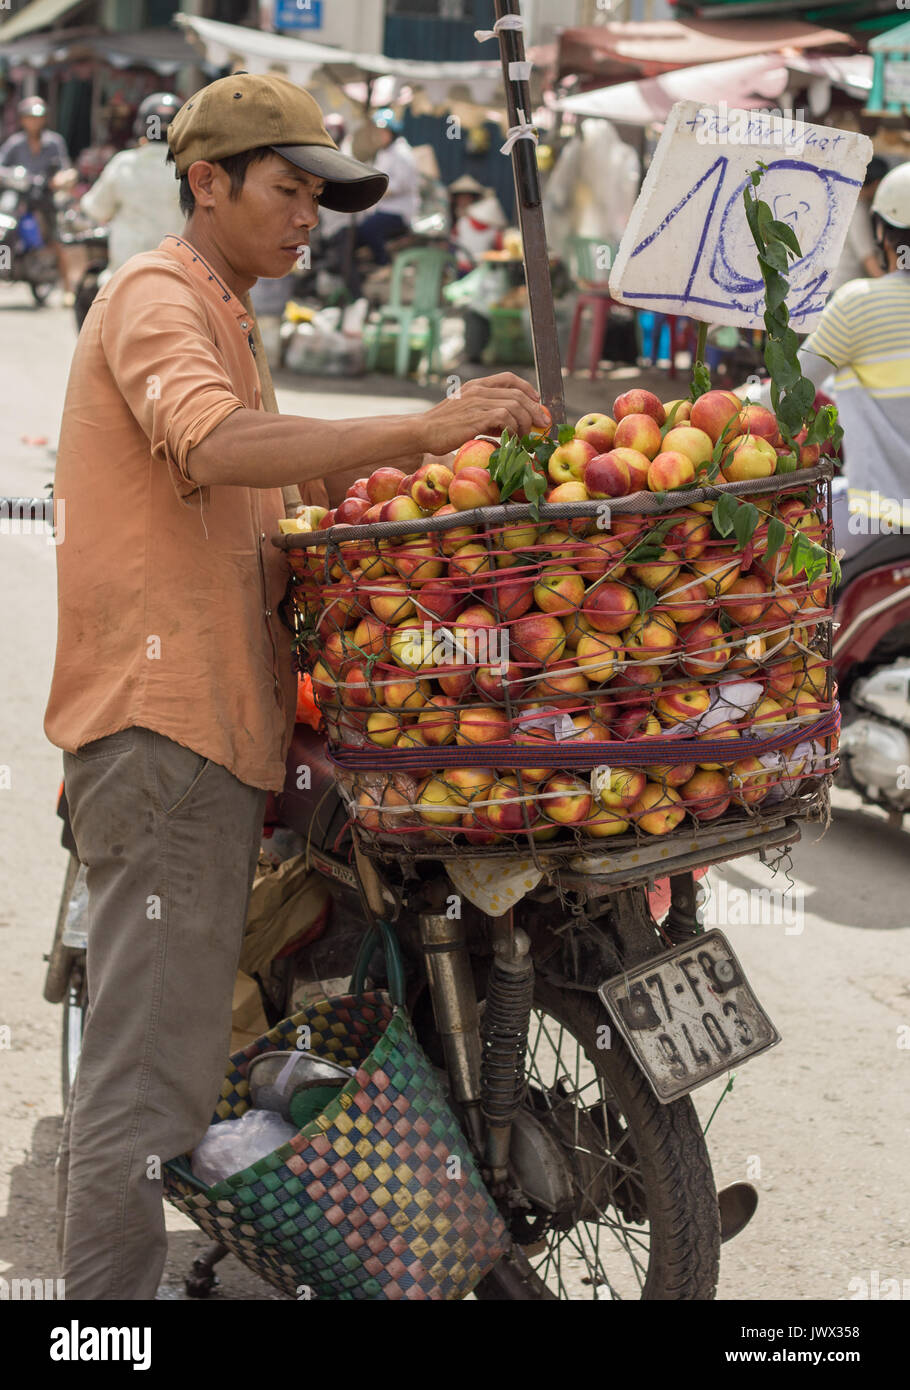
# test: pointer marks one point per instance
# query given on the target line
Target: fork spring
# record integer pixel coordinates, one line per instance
(507, 1015)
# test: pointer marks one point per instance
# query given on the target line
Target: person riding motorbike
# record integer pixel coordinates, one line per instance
(137, 193)
(864, 332)
(43, 152)
(400, 202)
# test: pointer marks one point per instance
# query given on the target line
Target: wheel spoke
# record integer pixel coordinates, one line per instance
(561, 1075)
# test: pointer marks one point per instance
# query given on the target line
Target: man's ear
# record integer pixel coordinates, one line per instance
(202, 175)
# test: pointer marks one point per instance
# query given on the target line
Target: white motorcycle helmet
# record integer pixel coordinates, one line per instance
(890, 208)
(892, 197)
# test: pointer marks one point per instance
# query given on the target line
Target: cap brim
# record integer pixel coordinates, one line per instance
(349, 185)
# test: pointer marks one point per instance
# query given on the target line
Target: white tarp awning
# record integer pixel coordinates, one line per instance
(39, 14)
(741, 82)
(261, 51)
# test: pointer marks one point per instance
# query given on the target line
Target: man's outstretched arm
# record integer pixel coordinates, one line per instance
(252, 449)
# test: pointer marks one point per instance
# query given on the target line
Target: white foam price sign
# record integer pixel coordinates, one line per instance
(687, 248)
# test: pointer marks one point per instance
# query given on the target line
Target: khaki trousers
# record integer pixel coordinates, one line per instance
(170, 841)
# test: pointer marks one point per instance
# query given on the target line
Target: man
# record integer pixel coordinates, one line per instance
(173, 693)
(43, 152)
(859, 258)
(136, 193)
(401, 199)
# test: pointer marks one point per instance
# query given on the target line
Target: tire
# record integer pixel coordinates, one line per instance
(60, 961)
(40, 291)
(86, 291)
(671, 1180)
(74, 1003)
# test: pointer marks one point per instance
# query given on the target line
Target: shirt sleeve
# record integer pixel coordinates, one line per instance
(7, 148)
(162, 355)
(834, 336)
(100, 201)
(62, 152)
(402, 171)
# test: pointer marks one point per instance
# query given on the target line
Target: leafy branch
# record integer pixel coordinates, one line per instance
(701, 376)
(792, 394)
(792, 397)
(515, 466)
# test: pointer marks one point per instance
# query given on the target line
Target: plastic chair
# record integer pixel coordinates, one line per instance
(429, 264)
(593, 294)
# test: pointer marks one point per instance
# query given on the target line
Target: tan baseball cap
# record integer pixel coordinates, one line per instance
(247, 111)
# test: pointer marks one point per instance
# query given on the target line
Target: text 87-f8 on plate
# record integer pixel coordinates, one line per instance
(688, 1015)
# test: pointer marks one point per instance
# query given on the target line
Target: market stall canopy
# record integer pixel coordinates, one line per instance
(619, 51)
(38, 15)
(162, 50)
(260, 51)
(744, 83)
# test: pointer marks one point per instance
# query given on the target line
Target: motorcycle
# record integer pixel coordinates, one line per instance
(601, 1173)
(871, 652)
(24, 253)
(75, 228)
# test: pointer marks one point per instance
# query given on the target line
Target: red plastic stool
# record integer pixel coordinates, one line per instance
(600, 304)
(682, 335)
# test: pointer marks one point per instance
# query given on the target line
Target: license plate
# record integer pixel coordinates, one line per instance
(688, 1015)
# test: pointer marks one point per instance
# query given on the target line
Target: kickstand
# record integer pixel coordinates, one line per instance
(203, 1280)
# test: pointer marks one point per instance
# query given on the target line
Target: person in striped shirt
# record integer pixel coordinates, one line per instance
(865, 333)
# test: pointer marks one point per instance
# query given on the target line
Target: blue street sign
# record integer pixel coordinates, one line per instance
(298, 14)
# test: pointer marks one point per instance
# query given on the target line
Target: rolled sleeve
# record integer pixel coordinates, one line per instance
(159, 347)
(101, 201)
(833, 338)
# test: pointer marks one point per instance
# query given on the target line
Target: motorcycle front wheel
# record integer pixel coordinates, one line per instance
(40, 291)
(74, 1007)
(642, 1221)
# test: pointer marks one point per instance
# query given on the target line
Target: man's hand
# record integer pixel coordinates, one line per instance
(487, 405)
(65, 178)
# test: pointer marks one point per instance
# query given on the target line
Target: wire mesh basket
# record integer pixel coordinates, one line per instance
(578, 679)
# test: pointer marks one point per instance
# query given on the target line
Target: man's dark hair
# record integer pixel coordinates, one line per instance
(895, 237)
(234, 165)
(876, 170)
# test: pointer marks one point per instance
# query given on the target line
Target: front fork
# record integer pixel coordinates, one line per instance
(486, 1067)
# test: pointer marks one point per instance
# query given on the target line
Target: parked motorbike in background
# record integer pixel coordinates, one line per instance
(871, 652)
(25, 256)
(76, 229)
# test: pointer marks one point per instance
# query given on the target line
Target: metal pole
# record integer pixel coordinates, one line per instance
(530, 220)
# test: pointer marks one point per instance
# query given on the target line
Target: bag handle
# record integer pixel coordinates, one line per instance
(380, 933)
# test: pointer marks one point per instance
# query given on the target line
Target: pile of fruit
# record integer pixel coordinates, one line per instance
(658, 657)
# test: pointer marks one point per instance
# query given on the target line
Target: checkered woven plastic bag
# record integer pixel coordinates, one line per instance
(379, 1197)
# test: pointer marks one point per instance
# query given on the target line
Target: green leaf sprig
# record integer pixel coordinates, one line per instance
(514, 467)
(792, 394)
(792, 397)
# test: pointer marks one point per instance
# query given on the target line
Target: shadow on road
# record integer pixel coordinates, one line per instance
(851, 870)
(28, 1231)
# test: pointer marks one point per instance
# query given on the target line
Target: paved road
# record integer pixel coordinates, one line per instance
(820, 1124)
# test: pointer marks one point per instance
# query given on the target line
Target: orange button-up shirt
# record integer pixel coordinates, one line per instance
(168, 592)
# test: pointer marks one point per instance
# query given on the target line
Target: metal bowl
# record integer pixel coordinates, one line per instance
(276, 1077)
